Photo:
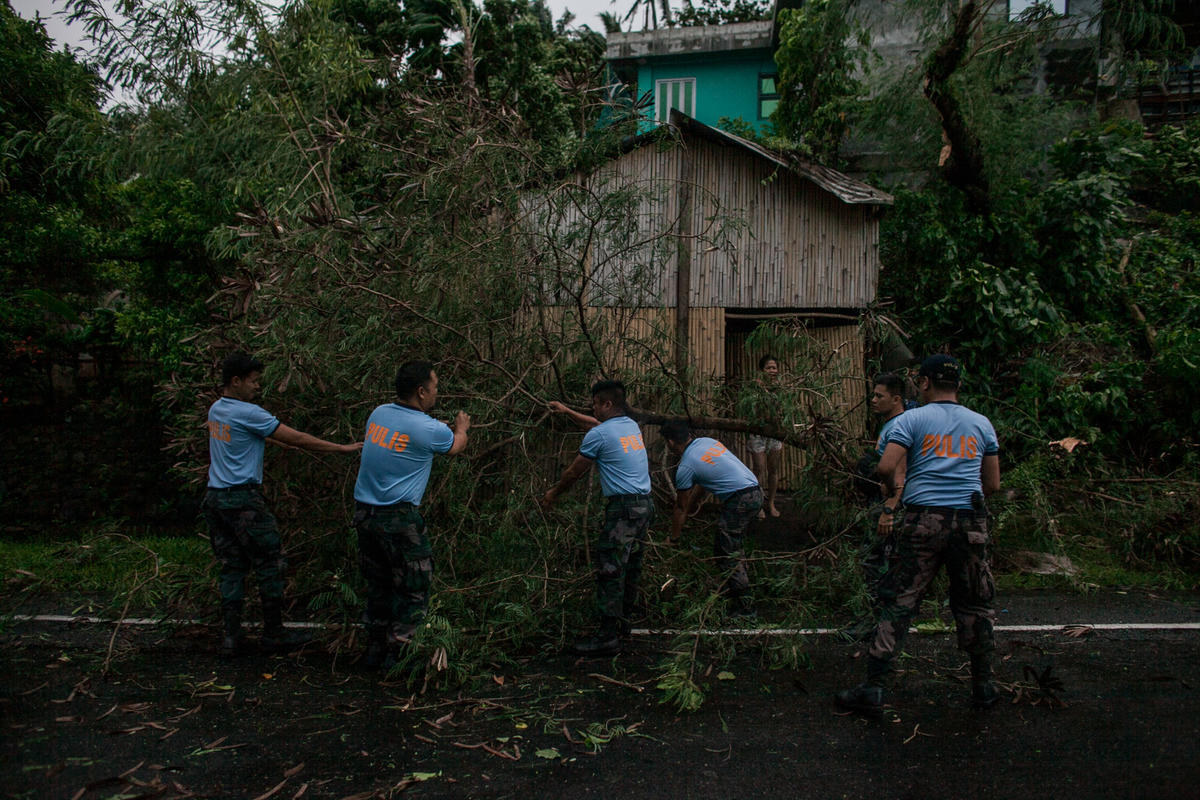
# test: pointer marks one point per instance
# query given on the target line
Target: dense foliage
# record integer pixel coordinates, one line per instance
(823, 58)
(722, 12)
(1060, 266)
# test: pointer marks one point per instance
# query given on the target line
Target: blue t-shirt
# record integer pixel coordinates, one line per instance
(620, 455)
(397, 455)
(946, 444)
(881, 442)
(710, 464)
(236, 430)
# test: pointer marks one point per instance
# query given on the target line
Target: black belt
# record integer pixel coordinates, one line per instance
(628, 498)
(953, 513)
(401, 506)
(240, 487)
(741, 492)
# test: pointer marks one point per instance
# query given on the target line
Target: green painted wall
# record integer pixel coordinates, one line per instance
(726, 83)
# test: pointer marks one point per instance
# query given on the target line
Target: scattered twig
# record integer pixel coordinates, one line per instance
(616, 682)
(916, 732)
(271, 792)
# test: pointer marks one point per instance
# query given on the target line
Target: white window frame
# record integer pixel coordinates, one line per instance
(662, 112)
(767, 97)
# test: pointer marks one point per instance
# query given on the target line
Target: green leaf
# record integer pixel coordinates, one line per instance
(725, 676)
(548, 752)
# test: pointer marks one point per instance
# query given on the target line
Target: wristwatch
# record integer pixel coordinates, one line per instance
(887, 510)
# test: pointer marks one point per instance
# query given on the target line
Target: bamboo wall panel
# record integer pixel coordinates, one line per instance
(764, 236)
(606, 235)
(800, 246)
(636, 340)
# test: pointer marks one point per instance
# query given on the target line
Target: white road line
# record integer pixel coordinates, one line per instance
(1098, 626)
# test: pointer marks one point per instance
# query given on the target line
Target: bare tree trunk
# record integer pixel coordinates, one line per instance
(468, 51)
(963, 168)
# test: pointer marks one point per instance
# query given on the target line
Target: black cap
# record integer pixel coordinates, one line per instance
(942, 369)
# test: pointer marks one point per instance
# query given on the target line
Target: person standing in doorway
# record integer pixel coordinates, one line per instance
(766, 454)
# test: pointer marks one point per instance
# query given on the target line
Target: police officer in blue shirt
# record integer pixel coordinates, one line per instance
(242, 530)
(952, 460)
(614, 444)
(394, 552)
(887, 403)
(707, 465)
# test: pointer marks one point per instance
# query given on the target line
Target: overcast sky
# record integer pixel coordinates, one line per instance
(585, 12)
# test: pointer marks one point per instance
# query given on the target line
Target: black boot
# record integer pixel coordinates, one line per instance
(983, 690)
(864, 699)
(606, 641)
(867, 698)
(231, 632)
(275, 638)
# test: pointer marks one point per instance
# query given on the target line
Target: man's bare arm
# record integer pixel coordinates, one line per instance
(891, 500)
(889, 466)
(582, 420)
(990, 474)
(574, 472)
(294, 438)
(683, 506)
(462, 423)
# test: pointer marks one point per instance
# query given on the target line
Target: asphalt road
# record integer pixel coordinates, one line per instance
(1116, 715)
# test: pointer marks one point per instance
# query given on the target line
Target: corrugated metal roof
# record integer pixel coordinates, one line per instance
(842, 186)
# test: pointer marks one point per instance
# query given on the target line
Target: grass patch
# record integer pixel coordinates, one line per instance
(150, 572)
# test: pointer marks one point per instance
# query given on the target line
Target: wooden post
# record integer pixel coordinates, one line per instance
(683, 261)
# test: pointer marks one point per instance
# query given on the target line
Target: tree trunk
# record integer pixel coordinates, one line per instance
(964, 166)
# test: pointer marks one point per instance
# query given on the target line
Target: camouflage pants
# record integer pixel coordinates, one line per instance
(875, 555)
(244, 536)
(928, 538)
(396, 560)
(617, 556)
(736, 514)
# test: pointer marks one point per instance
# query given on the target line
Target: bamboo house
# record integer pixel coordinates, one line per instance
(712, 235)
